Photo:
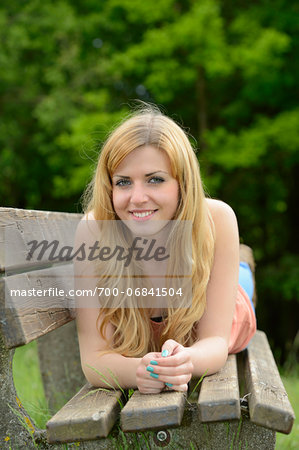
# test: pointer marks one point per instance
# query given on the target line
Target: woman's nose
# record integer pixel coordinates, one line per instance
(139, 194)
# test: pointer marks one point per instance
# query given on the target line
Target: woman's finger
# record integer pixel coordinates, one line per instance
(173, 371)
(176, 381)
(179, 357)
(169, 347)
(171, 379)
(178, 387)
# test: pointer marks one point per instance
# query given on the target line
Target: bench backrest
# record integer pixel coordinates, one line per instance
(33, 289)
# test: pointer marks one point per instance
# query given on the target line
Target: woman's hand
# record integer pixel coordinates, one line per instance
(147, 381)
(173, 365)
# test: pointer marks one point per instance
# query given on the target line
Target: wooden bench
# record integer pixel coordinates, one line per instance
(242, 406)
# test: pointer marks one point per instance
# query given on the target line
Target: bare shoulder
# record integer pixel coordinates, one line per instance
(88, 216)
(220, 210)
(87, 227)
(225, 221)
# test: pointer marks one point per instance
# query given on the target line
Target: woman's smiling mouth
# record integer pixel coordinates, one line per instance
(143, 214)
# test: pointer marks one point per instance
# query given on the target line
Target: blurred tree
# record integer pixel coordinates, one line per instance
(226, 69)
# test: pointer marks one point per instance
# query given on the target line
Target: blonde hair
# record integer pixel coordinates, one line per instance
(149, 127)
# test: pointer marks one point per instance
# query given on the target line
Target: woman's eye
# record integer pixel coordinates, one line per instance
(156, 180)
(122, 182)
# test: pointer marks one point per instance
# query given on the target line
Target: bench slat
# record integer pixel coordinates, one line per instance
(18, 227)
(146, 411)
(29, 317)
(269, 405)
(85, 417)
(219, 397)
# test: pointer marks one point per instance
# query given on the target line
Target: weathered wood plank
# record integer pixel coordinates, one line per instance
(85, 416)
(145, 411)
(234, 434)
(18, 227)
(60, 368)
(269, 405)
(191, 434)
(46, 288)
(10, 328)
(219, 397)
(25, 318)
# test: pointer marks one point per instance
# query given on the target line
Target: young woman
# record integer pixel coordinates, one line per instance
(148, 177)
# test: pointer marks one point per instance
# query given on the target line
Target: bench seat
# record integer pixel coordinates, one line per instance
(92, 416)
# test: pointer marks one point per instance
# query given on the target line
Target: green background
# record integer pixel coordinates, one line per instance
(225, 70)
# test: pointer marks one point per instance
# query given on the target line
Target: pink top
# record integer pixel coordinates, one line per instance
(244, 323)
(243, 326)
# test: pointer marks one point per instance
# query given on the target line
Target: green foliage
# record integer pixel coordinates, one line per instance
(28, 382)
(82, 143)
(290, 442)
(282, 280)
(227, 70)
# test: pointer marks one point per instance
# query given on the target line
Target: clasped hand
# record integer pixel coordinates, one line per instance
(171, 367)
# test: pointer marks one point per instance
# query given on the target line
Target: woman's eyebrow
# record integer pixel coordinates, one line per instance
(120, 176)
(147, 174)
(157, 171)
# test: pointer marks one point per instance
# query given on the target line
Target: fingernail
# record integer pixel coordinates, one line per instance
(154, 375)
(168, 384)
(150, 369)
(154, 363)
(165, 353)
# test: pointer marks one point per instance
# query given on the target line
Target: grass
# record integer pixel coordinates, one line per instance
(30, 392)
(29, 385)
(290, 441)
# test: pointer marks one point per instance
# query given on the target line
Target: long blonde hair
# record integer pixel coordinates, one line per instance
(149, 127)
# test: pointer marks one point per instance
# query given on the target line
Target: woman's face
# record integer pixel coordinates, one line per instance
(144, 189)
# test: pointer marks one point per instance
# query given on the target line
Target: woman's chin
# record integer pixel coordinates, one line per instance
(146, 227)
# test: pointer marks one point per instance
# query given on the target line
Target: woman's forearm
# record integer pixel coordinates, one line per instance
(111, 369)
(208, 355)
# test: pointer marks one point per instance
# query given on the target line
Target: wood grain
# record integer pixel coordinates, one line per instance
(25, 318)
(147, 411)
(269, 405)
(219, 397)
(85, 416)
(18, 227)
